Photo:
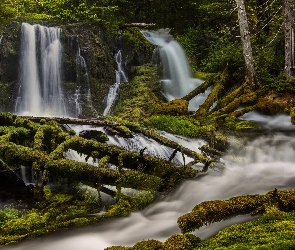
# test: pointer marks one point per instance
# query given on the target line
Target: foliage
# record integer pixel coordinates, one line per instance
(7, 214)
(55, 211)
(63, 11)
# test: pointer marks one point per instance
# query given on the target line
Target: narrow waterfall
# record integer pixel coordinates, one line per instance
(40, 91)
(1, 37)
(178, 79)
(83, 92)
(114, 89)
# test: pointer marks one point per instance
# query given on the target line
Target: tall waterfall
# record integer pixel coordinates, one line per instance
(178, 79)
(114, 89)
(40, 91)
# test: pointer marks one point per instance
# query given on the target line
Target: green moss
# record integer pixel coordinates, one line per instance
(180, 125)
(292, 114)
(124, 129)
(55, 211)
(137, 99)
(181, 242)
(213, 211)
(174, 108)
(273, 104)
(234, 123)
(273, 230)
(202, 75)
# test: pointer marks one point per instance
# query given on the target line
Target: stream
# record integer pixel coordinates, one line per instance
(254, 167)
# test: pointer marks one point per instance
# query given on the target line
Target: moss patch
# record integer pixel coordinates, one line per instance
(273, 230)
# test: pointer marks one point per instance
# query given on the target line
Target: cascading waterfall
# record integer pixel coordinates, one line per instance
(40, 91)
(114, 89)
(1, 37)
(178, 79)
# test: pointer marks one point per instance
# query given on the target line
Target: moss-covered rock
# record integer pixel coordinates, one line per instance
(181, 242)
(273, 103)
(138, 98)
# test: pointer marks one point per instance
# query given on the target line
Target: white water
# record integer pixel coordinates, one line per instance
(40, 92)
(114, 89)
(178, 79)
(139, 142)
(270, 121)
(1, 37)
(265, 163)
(83, 92)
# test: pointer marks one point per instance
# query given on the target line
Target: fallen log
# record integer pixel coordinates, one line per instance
(68, 120)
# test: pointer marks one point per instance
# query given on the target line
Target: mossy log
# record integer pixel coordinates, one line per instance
(149, 133)
(48, 143)
(246, 99)
(94, 176)
(229, 97)
(243, 111)
(199, 90)
(172, 144)
(219, 85)
(213, 211)
(78, 121)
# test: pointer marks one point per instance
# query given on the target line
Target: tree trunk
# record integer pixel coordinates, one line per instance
(246, 43)
(288, 12)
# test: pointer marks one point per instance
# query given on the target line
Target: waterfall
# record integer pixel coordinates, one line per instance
(178, 78)
(40, 91)
(1, 37)
(114, 89)
(81, 99)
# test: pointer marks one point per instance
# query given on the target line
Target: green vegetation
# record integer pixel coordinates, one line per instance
(273, 230)
(41, 146)
(180, 125)
(137, 97)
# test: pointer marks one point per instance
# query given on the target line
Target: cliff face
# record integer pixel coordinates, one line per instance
(9, 58)
(88, 64)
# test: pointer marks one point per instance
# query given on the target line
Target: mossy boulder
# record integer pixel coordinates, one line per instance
(181, 242)
(274, 103)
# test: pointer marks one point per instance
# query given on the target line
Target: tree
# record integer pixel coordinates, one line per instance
(246, 42)
(288, 13)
